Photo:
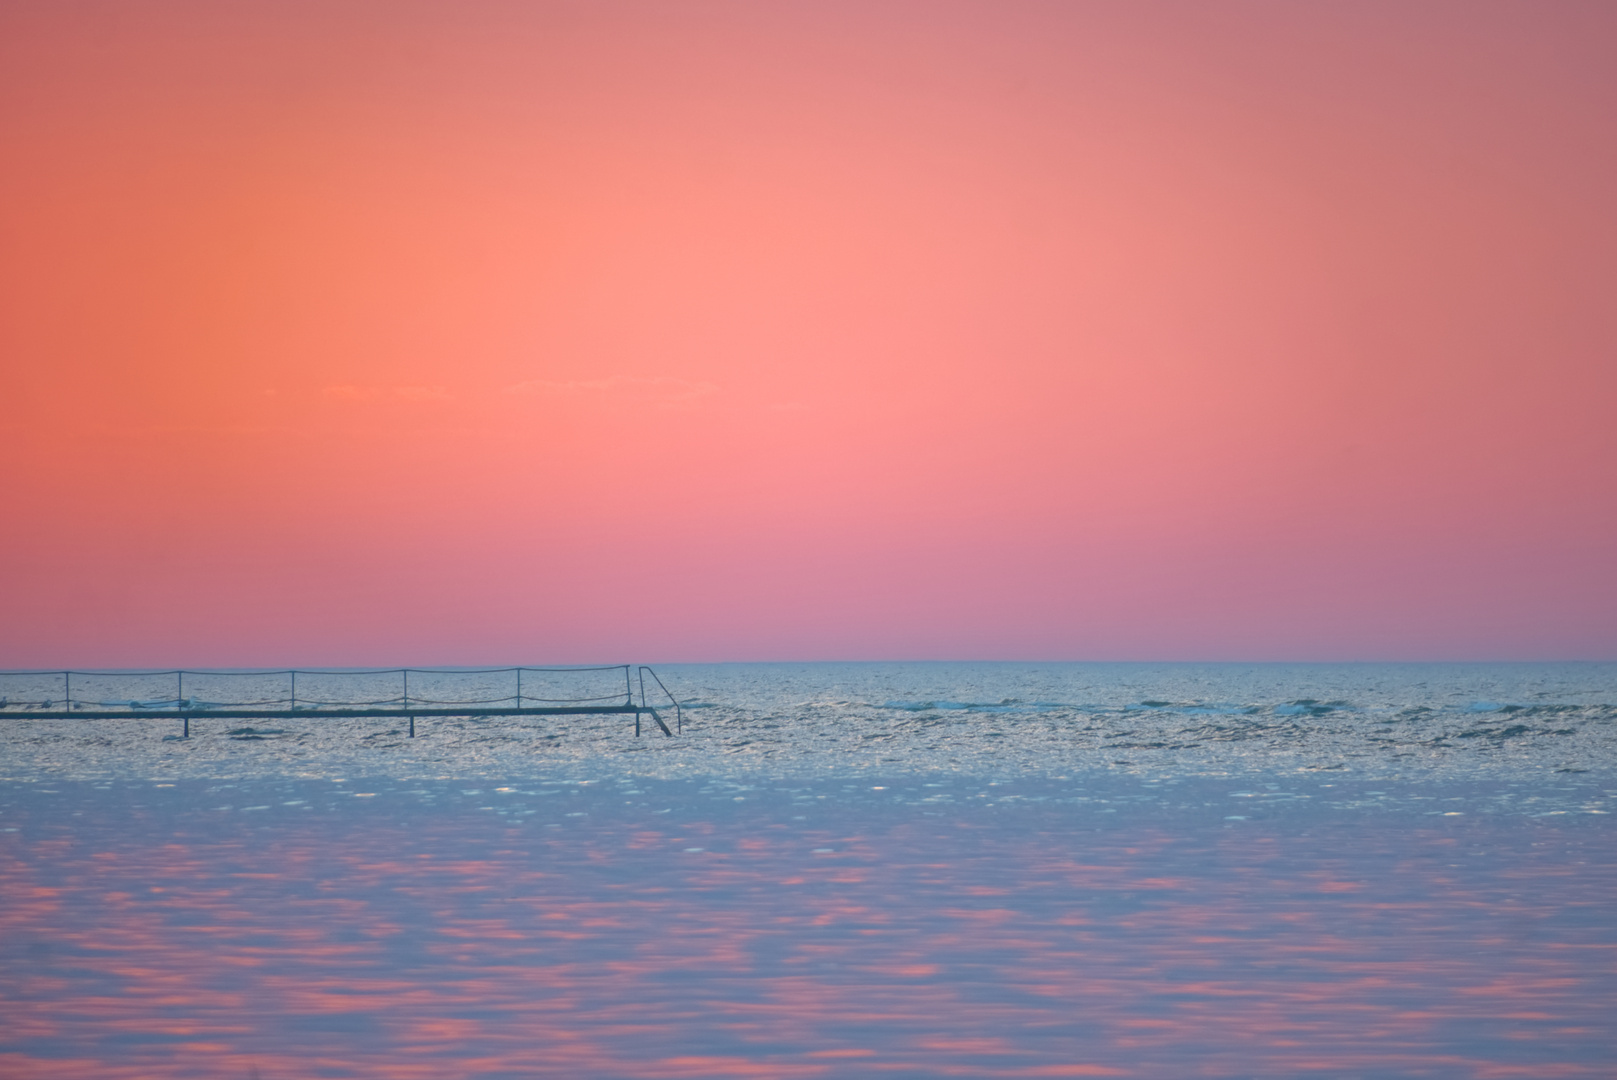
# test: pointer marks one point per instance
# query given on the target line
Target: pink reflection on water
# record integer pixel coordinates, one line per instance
(435, 952)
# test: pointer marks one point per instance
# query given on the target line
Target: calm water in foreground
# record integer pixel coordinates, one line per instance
(840, 870)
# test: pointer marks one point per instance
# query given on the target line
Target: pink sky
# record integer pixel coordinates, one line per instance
(341, 332)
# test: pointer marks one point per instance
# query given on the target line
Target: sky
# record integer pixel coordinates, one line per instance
(353, 332)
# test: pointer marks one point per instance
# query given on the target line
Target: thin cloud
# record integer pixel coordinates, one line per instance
(421, 393)
(377, 393)
(666, 390)
(351, 393)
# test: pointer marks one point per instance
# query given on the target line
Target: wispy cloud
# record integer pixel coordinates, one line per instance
(665, 390)
(421, 393)
(380, 393)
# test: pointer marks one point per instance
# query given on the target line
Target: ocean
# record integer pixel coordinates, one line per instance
(837, 870)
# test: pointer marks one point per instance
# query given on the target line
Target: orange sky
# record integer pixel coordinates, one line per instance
(351, 332)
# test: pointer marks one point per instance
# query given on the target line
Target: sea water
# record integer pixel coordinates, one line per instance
(836, 870)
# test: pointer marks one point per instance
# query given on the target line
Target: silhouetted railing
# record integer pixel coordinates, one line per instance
(330, 692)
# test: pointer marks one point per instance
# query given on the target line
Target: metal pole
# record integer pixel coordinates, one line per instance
(519, 688)
(628, 690)
(294, 675)
(179, 692)
(67, 689)
(412, 727)
(406, 688)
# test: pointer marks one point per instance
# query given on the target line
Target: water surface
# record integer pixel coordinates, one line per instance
(909, 870)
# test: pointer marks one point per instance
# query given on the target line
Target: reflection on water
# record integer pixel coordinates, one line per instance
(654, 929)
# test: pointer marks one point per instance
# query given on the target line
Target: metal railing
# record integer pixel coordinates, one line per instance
(330, 692)
(679, 714)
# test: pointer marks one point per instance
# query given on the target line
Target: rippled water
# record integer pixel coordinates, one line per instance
(840, 870)
(1523, 723)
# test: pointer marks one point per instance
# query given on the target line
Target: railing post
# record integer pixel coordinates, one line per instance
(519, 688)
(179, 695)
(67, 689)
(679, 713)
(628, 696)
(294, 675)
(406, 688)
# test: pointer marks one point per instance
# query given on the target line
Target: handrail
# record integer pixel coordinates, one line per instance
(245, 672)
(679, 714)
(291, 674)
(102, 700)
